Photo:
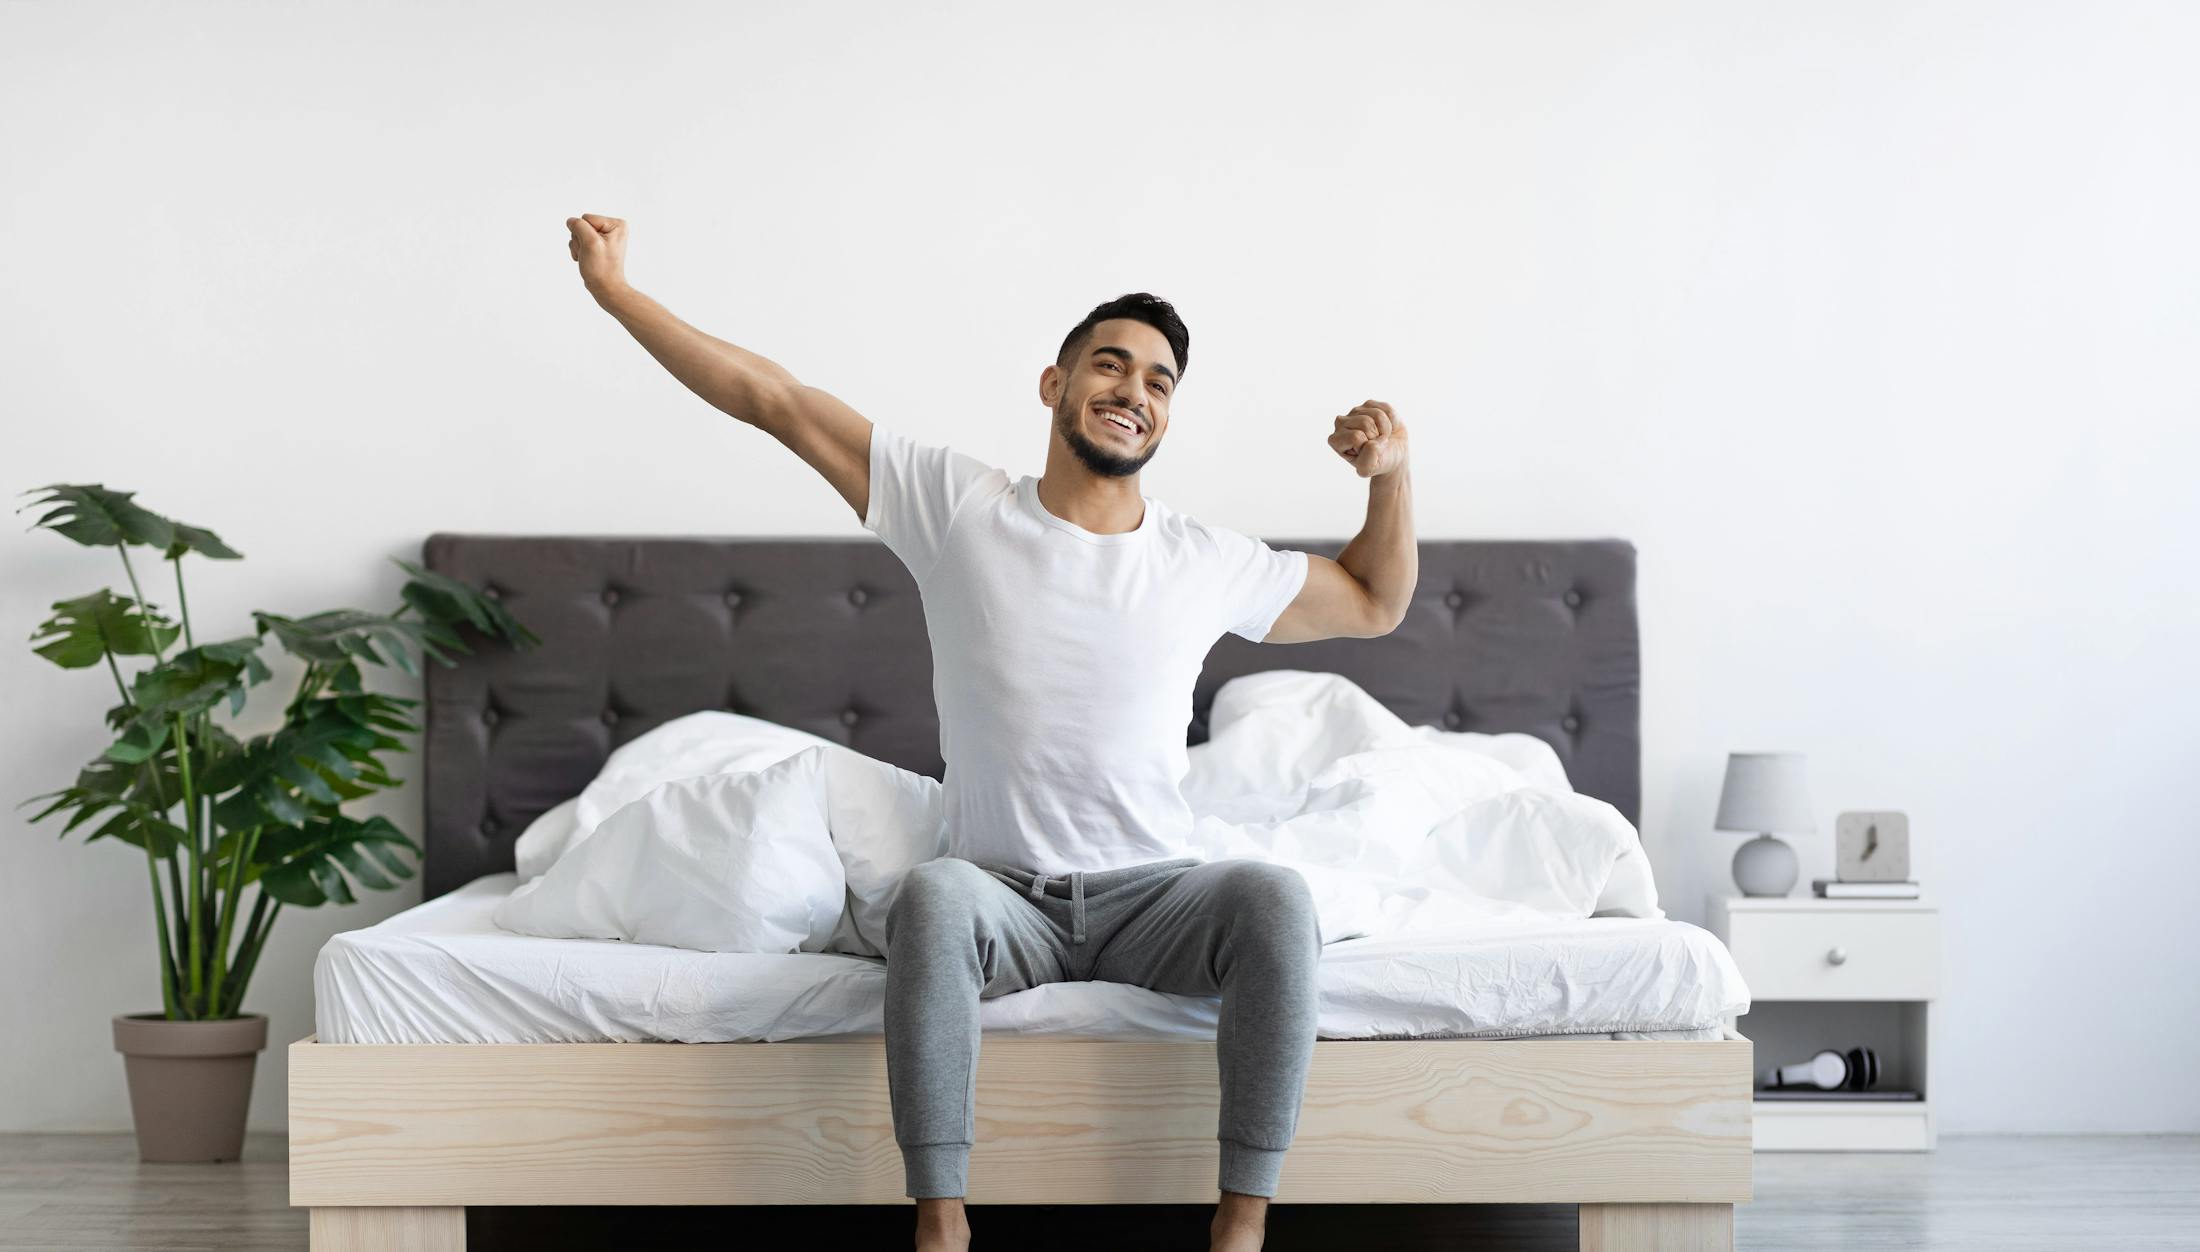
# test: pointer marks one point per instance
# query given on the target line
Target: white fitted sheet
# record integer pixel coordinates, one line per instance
(443, 972)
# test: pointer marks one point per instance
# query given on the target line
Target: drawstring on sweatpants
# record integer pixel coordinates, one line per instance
(1076, 901)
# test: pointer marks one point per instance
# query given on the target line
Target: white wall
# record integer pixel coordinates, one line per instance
(1870, 324)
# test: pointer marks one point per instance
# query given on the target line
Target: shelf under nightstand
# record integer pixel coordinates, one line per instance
(1879, 992)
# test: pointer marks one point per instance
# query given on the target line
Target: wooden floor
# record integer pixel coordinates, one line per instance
(1990, 1193)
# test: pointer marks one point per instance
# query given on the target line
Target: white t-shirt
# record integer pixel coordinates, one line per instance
(1062, 660)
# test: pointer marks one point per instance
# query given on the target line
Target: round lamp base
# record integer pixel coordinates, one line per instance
(1764, 866)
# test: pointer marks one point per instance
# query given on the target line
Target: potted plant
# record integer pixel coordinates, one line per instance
(216, 816)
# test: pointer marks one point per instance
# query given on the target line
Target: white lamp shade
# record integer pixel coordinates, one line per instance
(1764, 792)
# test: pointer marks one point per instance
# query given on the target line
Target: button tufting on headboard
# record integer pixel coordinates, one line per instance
(1510, 647)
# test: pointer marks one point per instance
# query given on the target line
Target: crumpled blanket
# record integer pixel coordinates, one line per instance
(727, 833)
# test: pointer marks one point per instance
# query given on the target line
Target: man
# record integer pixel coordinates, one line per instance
(1069, 616)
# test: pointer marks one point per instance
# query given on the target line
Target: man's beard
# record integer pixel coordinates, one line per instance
(1096, 458)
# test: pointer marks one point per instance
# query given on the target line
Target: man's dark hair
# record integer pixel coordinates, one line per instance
(1138, 306)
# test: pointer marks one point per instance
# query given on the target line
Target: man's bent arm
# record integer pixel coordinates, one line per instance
(1383, 557)
(1366, 590)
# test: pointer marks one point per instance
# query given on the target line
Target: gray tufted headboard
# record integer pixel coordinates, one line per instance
(827, 636)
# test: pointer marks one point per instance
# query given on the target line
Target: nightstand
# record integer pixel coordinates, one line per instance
(1838, 974)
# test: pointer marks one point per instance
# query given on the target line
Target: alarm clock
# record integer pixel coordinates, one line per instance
(1872, 846)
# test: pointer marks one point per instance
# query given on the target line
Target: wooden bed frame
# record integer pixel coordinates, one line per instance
(389, 1144)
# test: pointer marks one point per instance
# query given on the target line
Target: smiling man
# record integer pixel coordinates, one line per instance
(1069, 615)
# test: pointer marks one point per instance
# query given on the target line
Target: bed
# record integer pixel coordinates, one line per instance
(454, 1065)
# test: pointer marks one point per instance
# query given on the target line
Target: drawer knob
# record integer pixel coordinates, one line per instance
(1837, 955)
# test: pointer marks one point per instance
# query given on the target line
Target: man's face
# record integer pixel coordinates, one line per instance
(1113, 403)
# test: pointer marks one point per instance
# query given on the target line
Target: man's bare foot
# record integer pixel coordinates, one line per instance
(1241, 1222)
(943, 1227)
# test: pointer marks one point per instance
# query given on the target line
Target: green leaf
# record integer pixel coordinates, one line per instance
(95, 516)
(337, 636)
(324, 756)
(305, 864)
(139, 742)
(345, 679)
(185, 685)
(292, 884)
(355, 860)
(90, 628)
(144, 830)
(136, 823)
(330, 880)
(445, 603)
(203, 542)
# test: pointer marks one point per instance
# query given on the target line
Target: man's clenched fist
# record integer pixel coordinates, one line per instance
(599, 245)
(1372, 438)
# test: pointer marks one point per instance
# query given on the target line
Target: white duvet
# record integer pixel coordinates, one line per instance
(727, 833)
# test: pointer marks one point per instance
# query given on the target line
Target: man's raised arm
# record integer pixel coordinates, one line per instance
(832, 438)
(1366, 591)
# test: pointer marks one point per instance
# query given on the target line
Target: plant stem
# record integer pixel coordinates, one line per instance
(116, 670)
(255, 938)
(235, 888)
(183, 610)
(183, 606)
(152, 637)
(175, 883)
(152, 872)
(167, 959)
(309, 685)
(199, 871)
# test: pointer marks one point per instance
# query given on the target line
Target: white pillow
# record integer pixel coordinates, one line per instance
(1532, 756)
(1271, 733)
(1558, 852)
(738, 862)
(885, 822)
(711, 741)
(545, 839)
(719, 863)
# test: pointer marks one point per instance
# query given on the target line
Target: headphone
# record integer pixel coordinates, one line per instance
(1857, 1069)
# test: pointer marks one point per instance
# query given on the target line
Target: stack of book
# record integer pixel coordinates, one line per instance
(1813, 1093)
(1835, 889)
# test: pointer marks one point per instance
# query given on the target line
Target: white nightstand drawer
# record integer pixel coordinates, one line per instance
(1837, 956)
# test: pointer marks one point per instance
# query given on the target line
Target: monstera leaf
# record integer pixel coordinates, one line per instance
(444, 602)
(203, 542)
(323, 757)
(95, 516)
(337, 636)
(306, 864)
(91, 628)
(133, 792)
(185, 685)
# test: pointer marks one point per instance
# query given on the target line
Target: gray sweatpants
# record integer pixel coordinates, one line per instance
(960, 931)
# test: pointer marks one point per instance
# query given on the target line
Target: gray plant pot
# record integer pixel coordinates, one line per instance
(190, 1083)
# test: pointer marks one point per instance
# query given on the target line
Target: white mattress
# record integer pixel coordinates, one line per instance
(443, 972)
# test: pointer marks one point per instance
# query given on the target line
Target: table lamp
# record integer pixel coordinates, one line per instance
(1764, 792)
